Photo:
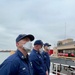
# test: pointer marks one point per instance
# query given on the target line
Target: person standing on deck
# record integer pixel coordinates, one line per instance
(37, 60)
(46, 57)
(19, 63)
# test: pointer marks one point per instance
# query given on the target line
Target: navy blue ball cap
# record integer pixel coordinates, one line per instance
(38, 42)
(22, 36)
(47, 44)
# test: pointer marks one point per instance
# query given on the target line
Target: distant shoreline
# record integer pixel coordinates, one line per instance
(5, 51)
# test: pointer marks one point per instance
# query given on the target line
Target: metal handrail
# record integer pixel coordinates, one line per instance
(59, 73)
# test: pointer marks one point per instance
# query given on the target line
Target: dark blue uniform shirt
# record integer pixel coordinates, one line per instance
(16, 64)
(46, 59)
(37, 62)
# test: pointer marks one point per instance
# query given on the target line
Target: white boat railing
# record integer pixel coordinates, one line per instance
(55, 71)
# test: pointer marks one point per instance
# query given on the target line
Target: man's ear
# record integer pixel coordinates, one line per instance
(45, 47)
(17, 43)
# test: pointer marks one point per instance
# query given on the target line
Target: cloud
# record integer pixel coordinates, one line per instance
(45, 19)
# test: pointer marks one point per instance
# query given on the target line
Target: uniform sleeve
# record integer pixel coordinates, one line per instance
(44, 59)
(37, 68)
(46, 62)
(9, 68)
(4, 69)
(49, 67)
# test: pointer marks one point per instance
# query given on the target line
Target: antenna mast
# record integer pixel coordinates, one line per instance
(65, 31)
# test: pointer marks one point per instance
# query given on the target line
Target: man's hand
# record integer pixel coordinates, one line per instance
(47, 73)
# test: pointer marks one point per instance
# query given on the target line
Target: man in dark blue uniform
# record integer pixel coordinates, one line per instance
(46, 57)
(19, 63)
(36, 58)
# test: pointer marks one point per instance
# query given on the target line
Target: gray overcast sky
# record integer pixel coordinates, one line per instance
(45, 19)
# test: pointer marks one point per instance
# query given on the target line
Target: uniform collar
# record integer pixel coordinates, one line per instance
(21, 55)
(36, 51)
(45, 52)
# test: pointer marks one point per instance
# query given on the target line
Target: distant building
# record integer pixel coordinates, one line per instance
(65, 48)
